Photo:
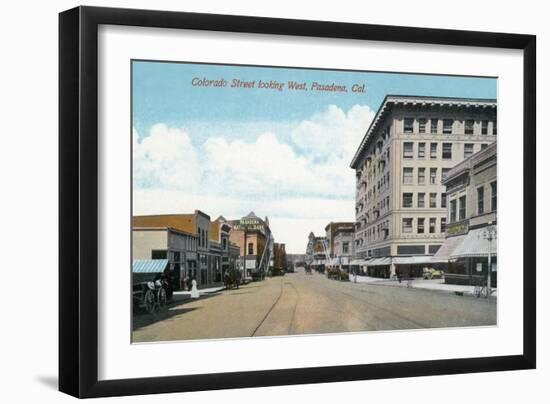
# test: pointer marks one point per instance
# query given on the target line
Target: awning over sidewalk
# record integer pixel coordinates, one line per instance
(379, 261)
(475, 245)
(149, 266)
(448, 248)
(359, 262)
(418, 259)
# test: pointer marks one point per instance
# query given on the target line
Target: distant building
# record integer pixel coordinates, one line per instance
(330, 232)
(255, 241)
(317, 252)
(471, 213)
(295, 261)
(343, 247)
(280, 262)
(410, 146)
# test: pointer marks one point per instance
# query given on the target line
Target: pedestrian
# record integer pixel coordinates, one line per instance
(238, 276)
(194, 290)
(185, 283)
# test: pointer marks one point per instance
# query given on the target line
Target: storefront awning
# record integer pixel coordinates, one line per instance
(358, 262)
(448, 248)
(149, 266)
(475, 245)
(418, 259)
(379, 261)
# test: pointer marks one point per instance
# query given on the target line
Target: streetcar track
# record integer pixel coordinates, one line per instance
(269, 311)
(384, 310)
(379, 309)
(294, 310)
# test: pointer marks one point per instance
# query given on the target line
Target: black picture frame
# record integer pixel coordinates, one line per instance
(78, 200)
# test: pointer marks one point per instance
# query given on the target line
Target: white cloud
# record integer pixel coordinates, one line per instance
(268, 166)
(299, 178)
(333, 133)
(165, 158)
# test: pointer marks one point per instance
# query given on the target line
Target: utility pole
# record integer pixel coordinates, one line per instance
(489, 234)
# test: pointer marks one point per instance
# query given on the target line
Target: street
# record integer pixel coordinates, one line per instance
(298, 303)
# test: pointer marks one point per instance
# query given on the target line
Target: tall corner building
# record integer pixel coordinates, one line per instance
(411, 144)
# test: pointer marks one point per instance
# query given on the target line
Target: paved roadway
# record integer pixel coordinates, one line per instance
(298, 303)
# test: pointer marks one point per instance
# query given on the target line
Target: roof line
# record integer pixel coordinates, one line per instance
(381, 109)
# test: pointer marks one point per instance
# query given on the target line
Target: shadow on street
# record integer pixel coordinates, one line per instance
(142, 319)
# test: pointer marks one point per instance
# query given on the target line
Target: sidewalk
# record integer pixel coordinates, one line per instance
(186, 294)
(418, 283)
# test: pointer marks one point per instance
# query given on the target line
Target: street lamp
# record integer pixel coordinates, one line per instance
(489, 234)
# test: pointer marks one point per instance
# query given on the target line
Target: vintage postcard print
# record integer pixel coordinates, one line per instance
(275, 201)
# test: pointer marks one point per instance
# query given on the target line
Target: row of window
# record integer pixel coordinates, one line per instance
(203, 238)
(375, 212)
(408, 225)
(372, 170)
(421, 200)
(458, 205)
(481, 198)
(380, 231)
(382, 184)
(471, 126)
(408, 175)
(446, 150)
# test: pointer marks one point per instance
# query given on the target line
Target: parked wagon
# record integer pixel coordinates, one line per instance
(232, 278)
(151, 288)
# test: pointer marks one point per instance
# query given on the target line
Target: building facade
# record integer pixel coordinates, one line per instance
(343, 246)
(229, 252)
(317, 252)
(410, 146)
(178, 247)
(330, 234)
(188, 245)
(255, 241)
(280, 262)
(471, 188)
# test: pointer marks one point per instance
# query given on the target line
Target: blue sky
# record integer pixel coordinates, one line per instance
(162, 92)
(194, 146)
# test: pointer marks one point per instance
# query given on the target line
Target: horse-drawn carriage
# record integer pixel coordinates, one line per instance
(151, 286)
(232, 278)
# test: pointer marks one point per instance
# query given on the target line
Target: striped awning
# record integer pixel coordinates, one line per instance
(379, 261)
(417, 259)
(448, 248)
(475, 245)
(149, 266)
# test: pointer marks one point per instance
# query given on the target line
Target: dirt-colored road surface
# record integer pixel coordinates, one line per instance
(298, 303)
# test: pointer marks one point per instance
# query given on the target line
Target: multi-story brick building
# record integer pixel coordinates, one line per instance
(280, 262)
(255, 240)
(410, 146)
